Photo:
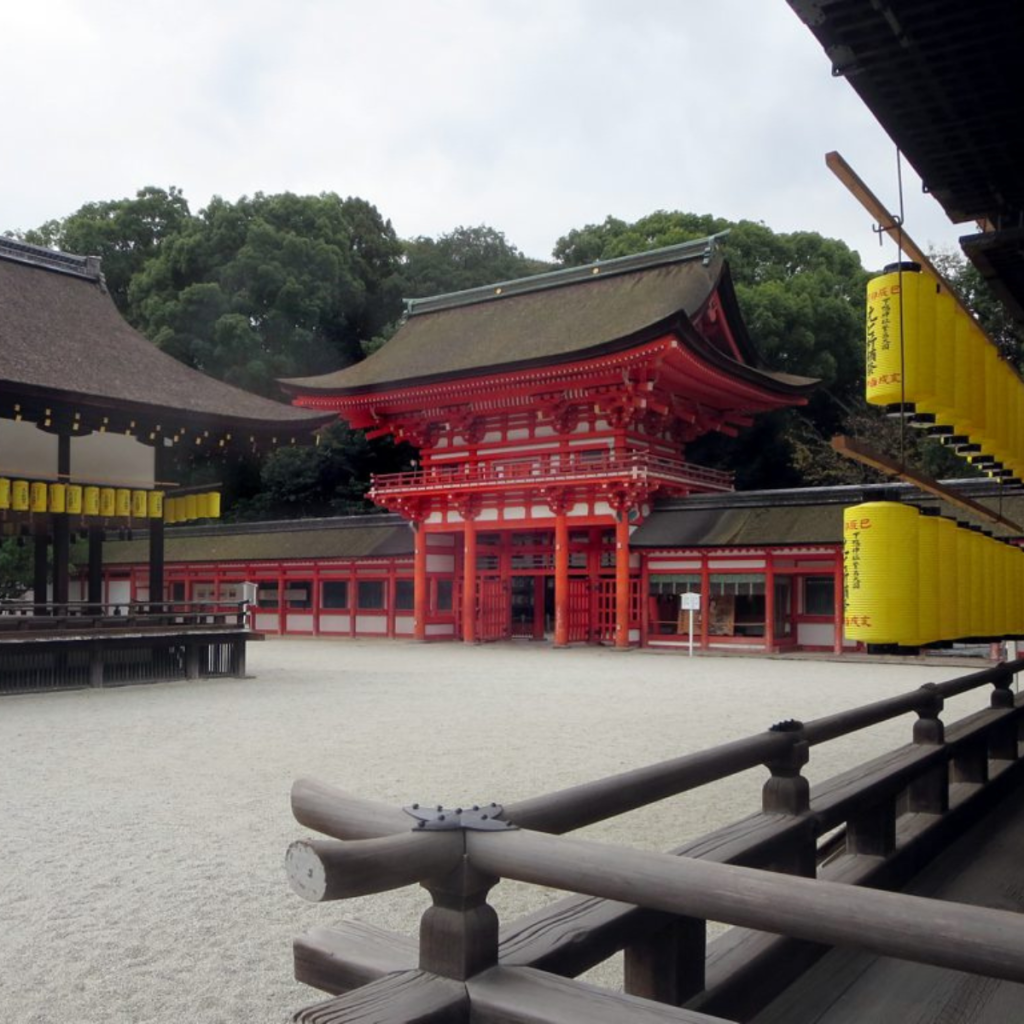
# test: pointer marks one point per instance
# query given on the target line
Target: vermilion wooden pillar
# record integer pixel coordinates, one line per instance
(469, 582)
(769, 603)
(419, 584)
(838, 611)
(622, 579)
(561, 580)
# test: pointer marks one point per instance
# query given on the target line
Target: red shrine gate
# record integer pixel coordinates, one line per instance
(548, 413)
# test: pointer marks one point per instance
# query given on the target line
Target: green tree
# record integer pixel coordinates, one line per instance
(463, 258)
(329, 479)
(1006, 332)
(125, 233)
(15, 569)
(271, 286)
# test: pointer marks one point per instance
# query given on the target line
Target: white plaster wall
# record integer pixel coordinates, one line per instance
(25, 450)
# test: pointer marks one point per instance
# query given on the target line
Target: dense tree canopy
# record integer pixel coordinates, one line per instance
(269, 287)
(125, 233)
(463, 258)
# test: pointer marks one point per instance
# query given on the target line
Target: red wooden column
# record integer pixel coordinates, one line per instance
(838, 611)
(419, 584)
(561, 579)
(622, 578)
(769, 603)
(469, 581)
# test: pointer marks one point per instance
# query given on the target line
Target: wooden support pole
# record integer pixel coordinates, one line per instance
(861, 452)
(561, 579)
(668, 965)
(469, 581)
(62, 528)
(929, 794)
(622, 579)
(459, 933)
(788, 792)
(95, 586)
(419, 583)
(872, 831)
(40, 567)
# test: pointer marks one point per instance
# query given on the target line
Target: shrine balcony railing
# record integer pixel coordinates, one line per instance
(556, 468)
(804, 873)
(46, 646)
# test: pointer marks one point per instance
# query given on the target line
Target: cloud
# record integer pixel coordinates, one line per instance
(442, 112)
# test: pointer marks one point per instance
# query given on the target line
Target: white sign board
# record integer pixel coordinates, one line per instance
(689, 602)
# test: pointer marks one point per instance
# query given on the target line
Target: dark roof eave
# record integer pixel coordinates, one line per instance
(677, 324)
(295, 419)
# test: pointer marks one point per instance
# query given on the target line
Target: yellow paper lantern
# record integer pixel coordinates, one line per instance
(39, 494)
(213, 508)
(170, 510)
(880, 569)
(123, 502)
(202, 506)
(19, 495)
(91, 501)
(74, 499)
(108, 501)
(58, 498)
(900, 349)
(155, 505)
(139, 504)
(928, 592)
(5, 492)
(191, 509)
(949, 580)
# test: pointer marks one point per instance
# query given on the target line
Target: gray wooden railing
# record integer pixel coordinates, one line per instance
(784, 877)
(61, 646)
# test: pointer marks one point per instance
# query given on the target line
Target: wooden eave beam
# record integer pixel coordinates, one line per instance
(854, 449)
(891, 225)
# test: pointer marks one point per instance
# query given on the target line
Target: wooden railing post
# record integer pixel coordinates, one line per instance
(929, 794)
(668, 965)
(1002, 743)
(788, 792)
(459, 933)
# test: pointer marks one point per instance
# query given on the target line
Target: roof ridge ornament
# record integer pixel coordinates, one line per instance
(701, 248)
(51, 259)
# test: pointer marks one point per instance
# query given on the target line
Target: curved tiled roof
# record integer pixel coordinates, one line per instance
(553, 318)
(62, 340)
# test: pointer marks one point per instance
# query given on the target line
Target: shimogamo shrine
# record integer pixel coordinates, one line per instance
(549, 413)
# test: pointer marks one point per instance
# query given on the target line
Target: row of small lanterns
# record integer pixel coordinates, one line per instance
(927, 357)
(39, 496)
(912, 578)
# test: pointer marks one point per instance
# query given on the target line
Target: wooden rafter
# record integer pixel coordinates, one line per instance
(854, 449)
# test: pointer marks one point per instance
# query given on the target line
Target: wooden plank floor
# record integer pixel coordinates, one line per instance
(984, 867)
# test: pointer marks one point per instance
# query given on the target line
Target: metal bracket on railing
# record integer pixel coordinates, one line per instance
(446, 819)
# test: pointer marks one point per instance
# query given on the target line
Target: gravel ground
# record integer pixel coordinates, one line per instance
(144, 828)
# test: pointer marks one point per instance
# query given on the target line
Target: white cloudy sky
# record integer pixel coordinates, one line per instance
(533, 117)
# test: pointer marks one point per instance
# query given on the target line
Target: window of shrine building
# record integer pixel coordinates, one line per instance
(404, 595)
(334, 594)
(819, 595)
(370, 595)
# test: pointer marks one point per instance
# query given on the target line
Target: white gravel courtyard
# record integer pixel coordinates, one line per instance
(143, 829)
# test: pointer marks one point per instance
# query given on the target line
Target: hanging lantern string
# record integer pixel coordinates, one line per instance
(899, 265)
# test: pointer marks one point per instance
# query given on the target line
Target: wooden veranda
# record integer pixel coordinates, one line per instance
(804, 874)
